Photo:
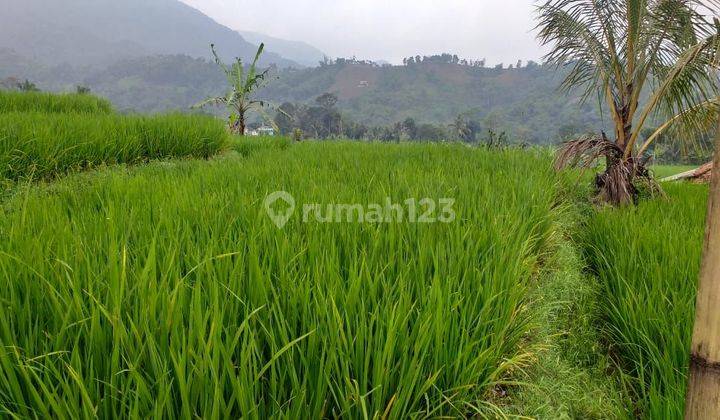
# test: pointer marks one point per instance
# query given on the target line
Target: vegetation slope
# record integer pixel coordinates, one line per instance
(523, 102)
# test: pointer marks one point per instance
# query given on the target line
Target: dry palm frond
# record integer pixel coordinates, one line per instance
(617, 185)
(583, 152)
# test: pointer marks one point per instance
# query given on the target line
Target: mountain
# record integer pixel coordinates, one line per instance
(100, 32)
(300, 52)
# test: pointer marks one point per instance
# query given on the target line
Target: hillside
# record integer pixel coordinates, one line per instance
(51, 31)
(524, 102)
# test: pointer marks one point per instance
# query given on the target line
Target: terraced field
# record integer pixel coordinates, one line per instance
(153, 267)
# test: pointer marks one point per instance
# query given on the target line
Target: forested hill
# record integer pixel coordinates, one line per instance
(524, 102)
(99, 32)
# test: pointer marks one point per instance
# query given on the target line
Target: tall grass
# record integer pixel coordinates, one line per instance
(11, 102)
(44, 145)
(166, 291)
(647, 260)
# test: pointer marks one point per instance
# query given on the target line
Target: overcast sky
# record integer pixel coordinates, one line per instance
(498, 30)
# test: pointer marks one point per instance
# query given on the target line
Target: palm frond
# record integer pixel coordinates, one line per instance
(685, 125)
(585, 151)
(218, 61)
(683, 86)
(211, 101)
(575, 31)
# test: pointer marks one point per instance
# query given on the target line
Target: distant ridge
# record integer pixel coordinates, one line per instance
(300, 52)
(100, 32)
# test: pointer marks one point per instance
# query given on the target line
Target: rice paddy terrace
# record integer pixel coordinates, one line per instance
(144, 272)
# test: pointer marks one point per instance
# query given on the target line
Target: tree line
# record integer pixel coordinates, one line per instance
(322, 120)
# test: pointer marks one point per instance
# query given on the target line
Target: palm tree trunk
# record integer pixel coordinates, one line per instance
(241, 124)
(703, 397)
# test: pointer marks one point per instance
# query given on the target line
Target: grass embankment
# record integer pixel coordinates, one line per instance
(572, 377)
(11, 102)
(44, 135)
(647, 261)
(41, 145)
(166, 290)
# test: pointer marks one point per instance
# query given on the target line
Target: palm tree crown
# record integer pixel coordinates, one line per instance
(622, 50)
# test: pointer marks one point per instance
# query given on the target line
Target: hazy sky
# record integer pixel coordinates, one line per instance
(498, 30)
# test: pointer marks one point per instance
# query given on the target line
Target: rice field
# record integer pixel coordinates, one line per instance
(647, 260)
(12, 102)
(45, 145)
(167, 291)
(662, 171)
(164, 284)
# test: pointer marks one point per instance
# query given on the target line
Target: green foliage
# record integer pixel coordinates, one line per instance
(523, 102)
(52, 103)
(321, 121)
(242, 84)
(620, 49)
(82, 90)
(647, 260)
(40, 145)
(28, 86)
(166, 291)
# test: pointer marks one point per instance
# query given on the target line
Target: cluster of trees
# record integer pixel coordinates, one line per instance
(13, 83)
(328, 62)
(667, 150)
(524, 103)
(446, 58)
(323, 120)
(319, 120)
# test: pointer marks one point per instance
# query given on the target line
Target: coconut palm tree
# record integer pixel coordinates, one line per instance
(243, 84)
(647, 61)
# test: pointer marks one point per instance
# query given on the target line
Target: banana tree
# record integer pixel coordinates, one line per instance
(239, 100)
(648, 61)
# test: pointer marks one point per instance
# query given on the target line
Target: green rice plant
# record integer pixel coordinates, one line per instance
(42, 145)
(662, 171)
(11, 102)
(248, 145)
(647, 260)
(167, 291)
